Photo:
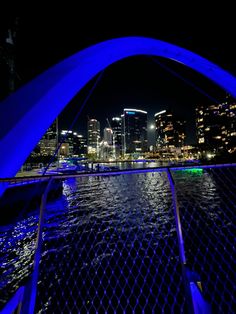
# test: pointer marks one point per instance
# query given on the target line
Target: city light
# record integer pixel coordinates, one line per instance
(152, 127)
(37, 97)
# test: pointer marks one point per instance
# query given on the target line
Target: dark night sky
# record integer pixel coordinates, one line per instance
(139, 82)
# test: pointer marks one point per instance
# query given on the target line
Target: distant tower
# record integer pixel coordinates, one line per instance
(134, 127)
(170, 132)
(117, 135)
(164, 129)
(93, 136)
(216, 125)
(48, 143)
(108, 136)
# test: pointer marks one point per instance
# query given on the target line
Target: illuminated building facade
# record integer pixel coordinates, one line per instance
(117, 135)
(93, 136)
(170, 132)
(216, 125)
(108, 136)
(134, 127)
(48, 142)
(73, 144)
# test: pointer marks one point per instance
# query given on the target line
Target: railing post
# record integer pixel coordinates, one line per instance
(31, 291)
(180, 243)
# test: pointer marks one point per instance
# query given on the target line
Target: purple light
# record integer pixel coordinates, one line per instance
(27, 113)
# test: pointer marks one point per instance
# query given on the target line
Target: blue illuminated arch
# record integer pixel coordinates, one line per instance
(26, 114)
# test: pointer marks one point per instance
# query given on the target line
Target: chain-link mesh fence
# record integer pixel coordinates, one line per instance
(207, 200)
(110, 244)
(115, 250)
(19, 216)
(17, 247)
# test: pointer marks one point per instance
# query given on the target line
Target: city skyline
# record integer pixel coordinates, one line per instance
(146, 83)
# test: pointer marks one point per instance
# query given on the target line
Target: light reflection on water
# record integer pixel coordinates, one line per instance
(108, 214)
(108, 218)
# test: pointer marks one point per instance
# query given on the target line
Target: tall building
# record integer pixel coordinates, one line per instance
(48, 143)
(170, 132)
(208, 124)
(81, 145)
(73, 144)
(134, 127)
(93, 136)
(180, 132)
(108, 136)
(216, 125)
(117, 135)
(229, 110)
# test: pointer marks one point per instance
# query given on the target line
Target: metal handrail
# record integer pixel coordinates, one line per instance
(30, 294)
(110, 172)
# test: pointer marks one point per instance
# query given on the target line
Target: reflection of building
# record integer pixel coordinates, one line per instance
(93, 136)
(170, 132)
(134, 127)
(48, 142)
(216, 125)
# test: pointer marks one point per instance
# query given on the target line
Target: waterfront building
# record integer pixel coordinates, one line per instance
(117, 135)
(216, 125)
(73, 144)
(48, 143)
(81, 147)
(108, 136)
(93, 137)
(170, 132)
(134, 129)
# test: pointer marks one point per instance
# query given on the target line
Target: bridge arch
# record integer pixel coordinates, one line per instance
(27, 114)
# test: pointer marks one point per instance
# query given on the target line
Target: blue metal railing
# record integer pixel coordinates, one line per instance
(194, 297)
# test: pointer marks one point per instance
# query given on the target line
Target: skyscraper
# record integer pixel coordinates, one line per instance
(134, 129)
(74, 144)
(48, 143)
(208, 123)
(108, 136)
(216, 125)
(93, 136)
(170, 132)
(117, 135)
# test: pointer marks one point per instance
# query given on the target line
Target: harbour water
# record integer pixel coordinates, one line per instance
(110, 244)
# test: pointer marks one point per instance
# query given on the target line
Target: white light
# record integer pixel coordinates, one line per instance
(136, 110)
(152, 127)
(116, 118)
(209, 156)
(157, 114)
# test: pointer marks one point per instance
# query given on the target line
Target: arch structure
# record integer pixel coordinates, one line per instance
(27, 113)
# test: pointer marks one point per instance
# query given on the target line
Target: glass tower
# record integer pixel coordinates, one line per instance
(134, 127)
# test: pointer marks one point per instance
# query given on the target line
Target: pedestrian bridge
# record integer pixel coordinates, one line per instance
(133, 241)
(28, 113)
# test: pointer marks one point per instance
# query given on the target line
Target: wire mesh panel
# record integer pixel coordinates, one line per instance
(19, 208)
(112, 249)
(207, 199)
(17, 247)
